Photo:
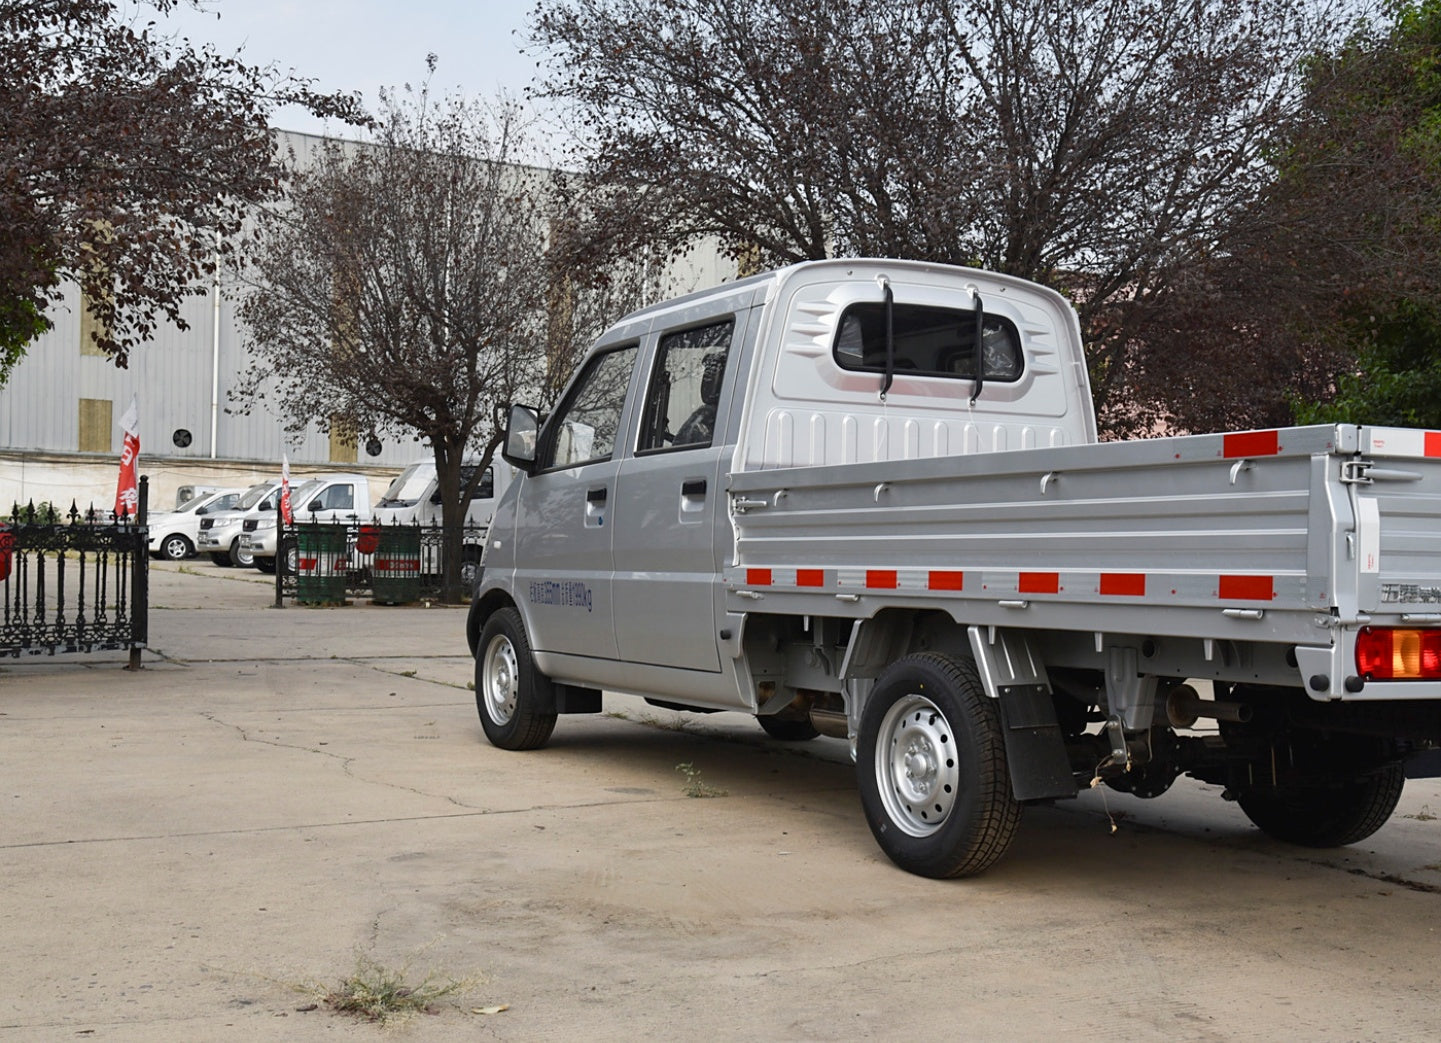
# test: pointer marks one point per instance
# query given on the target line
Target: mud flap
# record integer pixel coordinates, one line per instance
(1035, 748)
(571, 698)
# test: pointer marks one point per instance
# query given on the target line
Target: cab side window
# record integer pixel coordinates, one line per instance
(685, 387)
(338, 498)
(583, 430)
(484, 489)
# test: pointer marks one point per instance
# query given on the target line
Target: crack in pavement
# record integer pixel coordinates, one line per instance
(346, 763)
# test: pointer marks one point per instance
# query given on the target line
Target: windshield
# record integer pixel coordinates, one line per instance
(193, 504)
(299, 493)
(408, 487)
(253, 495)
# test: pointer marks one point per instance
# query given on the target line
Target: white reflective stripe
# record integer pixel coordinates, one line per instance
(1368, 534)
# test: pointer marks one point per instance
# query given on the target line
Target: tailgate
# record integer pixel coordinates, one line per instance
(1396, 487)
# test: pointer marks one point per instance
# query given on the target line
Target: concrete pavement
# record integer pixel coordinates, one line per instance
(193, 850)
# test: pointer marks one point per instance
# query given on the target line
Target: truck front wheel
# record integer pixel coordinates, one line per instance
(515, 700)
(1326, 816)
(933, 778)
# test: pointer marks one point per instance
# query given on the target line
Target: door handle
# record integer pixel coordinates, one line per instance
(596, 496)
(693, 487)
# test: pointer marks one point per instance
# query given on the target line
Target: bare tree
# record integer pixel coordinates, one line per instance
(1337, 265)
(127, 159)
(1097, 146)
(405, 286)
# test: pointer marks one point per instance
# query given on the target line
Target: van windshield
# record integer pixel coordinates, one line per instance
(408, 487)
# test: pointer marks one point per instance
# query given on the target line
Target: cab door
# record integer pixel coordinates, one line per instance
(564, 513)
(665, 541)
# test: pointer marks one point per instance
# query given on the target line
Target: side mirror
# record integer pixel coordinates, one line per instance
(521, 433)
(202, 510)
(315, 505)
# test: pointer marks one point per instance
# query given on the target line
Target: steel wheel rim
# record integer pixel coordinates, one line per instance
(175, 547)
(917, 769)
(500, 679)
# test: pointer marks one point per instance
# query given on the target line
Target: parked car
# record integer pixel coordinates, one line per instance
(414, 498)
(332, 498)
(220, 533)
(173, 534)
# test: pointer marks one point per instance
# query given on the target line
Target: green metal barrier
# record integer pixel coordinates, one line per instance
(320, 577)
(395, 572)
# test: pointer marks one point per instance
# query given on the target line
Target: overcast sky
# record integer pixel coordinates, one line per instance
(363, 45)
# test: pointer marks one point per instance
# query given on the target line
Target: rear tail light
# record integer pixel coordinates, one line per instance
(1386, 654)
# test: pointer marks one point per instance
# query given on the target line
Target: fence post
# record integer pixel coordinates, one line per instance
(282, 556)
(140, 579)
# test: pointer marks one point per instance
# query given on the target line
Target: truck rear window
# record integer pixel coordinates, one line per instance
(930, 342)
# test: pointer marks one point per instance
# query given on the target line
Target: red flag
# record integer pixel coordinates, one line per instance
(285, 511)
(127, 489)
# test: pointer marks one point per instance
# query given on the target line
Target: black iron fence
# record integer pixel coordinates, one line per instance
(76, 581)
(325, 563)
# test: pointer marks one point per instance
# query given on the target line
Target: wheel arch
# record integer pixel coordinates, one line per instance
(482, 608)
(1011, 671)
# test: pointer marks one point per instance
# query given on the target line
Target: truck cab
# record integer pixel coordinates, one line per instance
(332, 498)
(612, 543)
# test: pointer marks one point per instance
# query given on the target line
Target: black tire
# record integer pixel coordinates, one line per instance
(514, 699)
(787, 729)
(290, 551)
(176, 547)
(1326, 816)
(239, 555)
(469, 570)
(931, 764)
(223, 560)
(266, 565)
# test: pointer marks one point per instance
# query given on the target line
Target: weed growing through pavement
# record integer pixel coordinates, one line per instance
(694, 787)
(1424, 815)
(378, 993)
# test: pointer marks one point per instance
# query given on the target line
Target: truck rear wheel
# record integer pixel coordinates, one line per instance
(1326, 816)
(515, 700)
(931, 760)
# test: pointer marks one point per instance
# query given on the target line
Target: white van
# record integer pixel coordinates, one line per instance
(414, 495)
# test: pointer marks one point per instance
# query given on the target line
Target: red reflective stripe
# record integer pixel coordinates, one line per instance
(810, 577)
(1252, 443)
(758, 577)
(1247, 588)
(1433, 443)
(881, 578)
(1123, 584)
(946, 581)
(1039, 583)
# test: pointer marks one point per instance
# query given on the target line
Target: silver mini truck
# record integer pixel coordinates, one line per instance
(865, 499)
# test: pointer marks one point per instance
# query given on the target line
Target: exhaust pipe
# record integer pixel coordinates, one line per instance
(1184, 706)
